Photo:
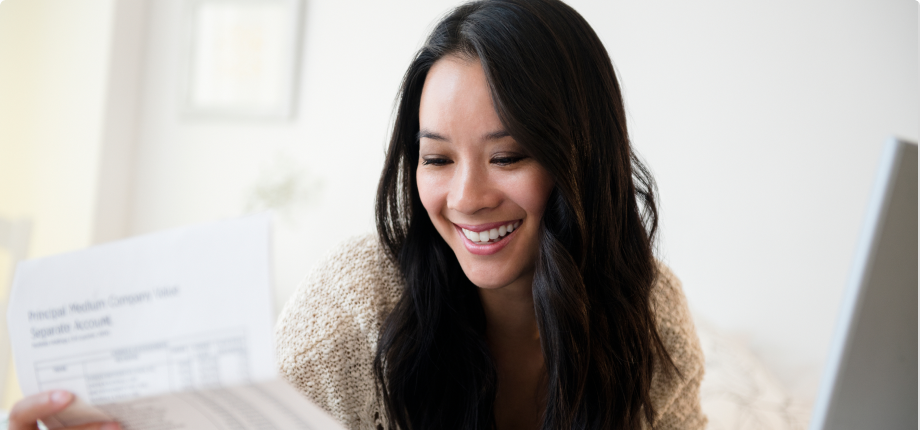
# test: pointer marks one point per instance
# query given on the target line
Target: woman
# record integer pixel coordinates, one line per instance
(512, 283)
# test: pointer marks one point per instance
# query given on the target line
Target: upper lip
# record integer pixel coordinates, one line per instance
(485, 227)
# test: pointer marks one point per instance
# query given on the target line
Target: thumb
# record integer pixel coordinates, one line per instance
(33, 408)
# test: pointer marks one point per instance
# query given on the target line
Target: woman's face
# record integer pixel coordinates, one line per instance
(484, 194)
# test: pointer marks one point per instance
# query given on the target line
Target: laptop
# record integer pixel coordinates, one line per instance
(870, 380)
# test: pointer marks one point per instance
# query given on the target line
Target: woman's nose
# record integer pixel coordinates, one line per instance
(472, 191)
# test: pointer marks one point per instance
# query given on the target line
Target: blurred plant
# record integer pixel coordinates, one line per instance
(283, 186)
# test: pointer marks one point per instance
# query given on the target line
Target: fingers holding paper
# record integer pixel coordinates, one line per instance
(26, 412)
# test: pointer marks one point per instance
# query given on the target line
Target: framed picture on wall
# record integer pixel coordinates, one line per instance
(242, 58)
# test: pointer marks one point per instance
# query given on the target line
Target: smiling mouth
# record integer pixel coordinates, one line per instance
(492, 235)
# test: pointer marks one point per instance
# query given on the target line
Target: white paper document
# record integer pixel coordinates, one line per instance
(171, 330)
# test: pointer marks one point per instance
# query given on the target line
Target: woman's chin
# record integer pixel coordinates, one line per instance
(486, 284)
(495, 278)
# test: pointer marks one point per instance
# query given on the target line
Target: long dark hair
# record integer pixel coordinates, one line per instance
(554, 88)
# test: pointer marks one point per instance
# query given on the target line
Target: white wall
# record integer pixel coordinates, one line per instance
(762, 121)
(53, 74)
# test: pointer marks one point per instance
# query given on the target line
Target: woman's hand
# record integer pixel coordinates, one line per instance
(28, 411)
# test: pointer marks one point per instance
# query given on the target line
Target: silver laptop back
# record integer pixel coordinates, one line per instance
(870, 381)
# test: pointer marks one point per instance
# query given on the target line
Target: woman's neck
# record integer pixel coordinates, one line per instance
(509, 313)
(514, 341)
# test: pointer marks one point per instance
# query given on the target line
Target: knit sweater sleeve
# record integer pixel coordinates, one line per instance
(676, 397)
(326, 334)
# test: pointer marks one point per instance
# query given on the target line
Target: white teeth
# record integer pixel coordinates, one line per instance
(487, 235)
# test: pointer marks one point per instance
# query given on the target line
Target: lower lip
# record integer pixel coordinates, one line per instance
(484, 249)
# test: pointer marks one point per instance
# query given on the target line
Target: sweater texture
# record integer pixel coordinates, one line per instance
(327, 336)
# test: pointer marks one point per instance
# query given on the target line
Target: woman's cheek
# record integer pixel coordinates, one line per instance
(427, 192)
(531, 189)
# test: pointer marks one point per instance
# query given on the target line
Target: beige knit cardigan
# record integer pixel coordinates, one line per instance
(327, 336)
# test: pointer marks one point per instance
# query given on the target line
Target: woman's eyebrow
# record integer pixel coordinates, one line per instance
(497, 135)
(430, 135)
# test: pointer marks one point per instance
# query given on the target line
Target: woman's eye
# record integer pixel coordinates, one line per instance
(434, 161)
(507, 160)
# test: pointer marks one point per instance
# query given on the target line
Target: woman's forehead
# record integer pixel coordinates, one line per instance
(456, 101)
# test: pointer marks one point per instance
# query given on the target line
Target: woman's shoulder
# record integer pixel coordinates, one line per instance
(675, 323)
(356, 276)
(326, 334)
(676, 397)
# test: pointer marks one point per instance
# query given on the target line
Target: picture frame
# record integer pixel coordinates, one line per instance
(241, 59)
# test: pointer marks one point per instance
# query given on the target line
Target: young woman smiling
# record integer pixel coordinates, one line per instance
(512, 282)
